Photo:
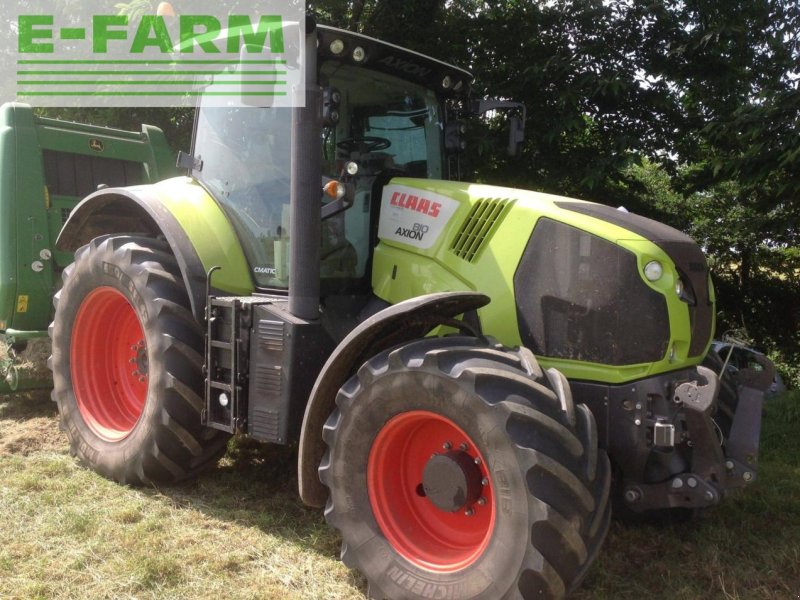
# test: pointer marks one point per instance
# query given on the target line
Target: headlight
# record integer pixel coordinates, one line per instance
(684, 290)
(359, 54)
(337, 47)
(653, 270)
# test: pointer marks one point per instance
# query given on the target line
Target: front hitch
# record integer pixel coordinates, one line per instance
(717, 465)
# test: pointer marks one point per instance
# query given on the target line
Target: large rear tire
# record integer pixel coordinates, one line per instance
(127, 364)
(455, 471)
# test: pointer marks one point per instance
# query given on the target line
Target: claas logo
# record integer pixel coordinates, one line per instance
(416, 203)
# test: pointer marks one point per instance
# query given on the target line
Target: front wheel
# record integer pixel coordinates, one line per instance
(127, 364)
(455, 471)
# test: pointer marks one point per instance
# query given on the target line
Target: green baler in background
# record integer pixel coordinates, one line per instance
(48, 166)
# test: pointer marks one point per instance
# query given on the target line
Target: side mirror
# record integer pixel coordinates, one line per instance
(516, 121)
(516, 135)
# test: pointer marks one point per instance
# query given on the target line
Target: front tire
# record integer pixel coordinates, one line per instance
(127, 364)
(455, 471)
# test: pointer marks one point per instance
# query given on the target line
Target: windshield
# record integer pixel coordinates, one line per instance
(387, 126)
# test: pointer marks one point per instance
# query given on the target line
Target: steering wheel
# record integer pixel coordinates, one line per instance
(364, 144)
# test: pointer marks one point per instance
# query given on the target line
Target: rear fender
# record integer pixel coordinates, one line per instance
(181, 211)
(402, 322)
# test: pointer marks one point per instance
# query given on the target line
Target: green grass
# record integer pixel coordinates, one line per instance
(241, 531)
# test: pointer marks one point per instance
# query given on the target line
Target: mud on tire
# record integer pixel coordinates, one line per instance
(541, 513)
(127, 364)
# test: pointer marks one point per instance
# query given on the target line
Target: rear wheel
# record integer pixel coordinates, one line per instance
(127, 364)
(455, 470)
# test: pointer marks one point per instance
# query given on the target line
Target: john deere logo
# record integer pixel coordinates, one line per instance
(96, 145)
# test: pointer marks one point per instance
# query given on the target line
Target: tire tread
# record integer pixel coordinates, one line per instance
(177, 446)
(568, 477)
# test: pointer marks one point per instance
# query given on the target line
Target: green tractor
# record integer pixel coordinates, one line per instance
(48, 166)
(456, 363)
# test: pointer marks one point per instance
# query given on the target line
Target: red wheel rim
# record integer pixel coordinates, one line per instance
(109, 364)
(422, 533)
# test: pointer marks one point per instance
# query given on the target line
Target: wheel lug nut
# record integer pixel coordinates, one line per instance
(463, 447)
(447, 445)
(142, 379)
(482, 501)
(477, 461)
(485, 481)
(469, 512)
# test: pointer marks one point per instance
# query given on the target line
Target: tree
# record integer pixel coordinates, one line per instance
(687, 111)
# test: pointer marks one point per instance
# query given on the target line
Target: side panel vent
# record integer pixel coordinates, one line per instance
(265, 424)
(270, 335)
(269, 379)
(478, 227)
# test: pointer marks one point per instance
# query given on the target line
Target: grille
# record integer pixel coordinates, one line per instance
(688, 257)
(580, 297)
(478, 227)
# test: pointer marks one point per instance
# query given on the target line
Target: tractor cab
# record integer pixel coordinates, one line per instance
(384, 115)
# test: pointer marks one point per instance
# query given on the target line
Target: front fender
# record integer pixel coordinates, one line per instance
(402, 322)
(199, 233)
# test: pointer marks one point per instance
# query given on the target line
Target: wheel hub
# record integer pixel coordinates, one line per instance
(452, 481)
(109, 364)
(140, 358)
(430, 491)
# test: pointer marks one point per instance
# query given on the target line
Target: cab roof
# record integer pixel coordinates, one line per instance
(445, 79)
